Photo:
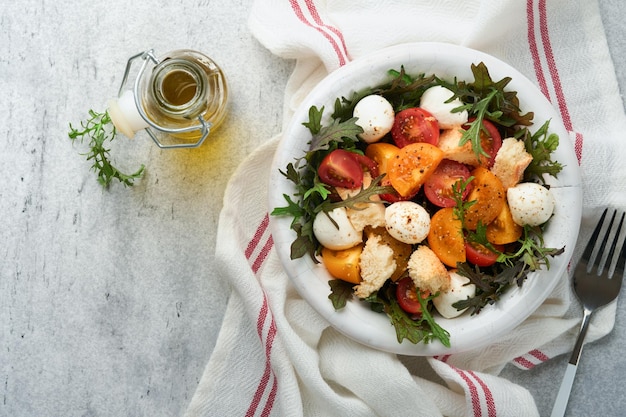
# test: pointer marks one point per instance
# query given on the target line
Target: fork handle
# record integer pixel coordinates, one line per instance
(562, 397)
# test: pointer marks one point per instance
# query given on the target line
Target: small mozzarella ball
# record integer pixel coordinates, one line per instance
(375, 115)
(458, 291)
(434, 100)
(531, 204)
(407, 221)
(339, 236)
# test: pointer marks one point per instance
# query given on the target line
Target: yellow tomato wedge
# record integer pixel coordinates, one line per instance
(412, 165)
(382, 153)
(489, 196)
(343, 264)
(445, 237)
(503, 229)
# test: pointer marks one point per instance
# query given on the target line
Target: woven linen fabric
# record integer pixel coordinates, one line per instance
(275, 356)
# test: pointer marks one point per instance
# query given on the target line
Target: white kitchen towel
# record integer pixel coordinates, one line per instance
(275, 356)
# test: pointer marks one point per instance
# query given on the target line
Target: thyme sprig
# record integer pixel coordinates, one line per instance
(99, 130)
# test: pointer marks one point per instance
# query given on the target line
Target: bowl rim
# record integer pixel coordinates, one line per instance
(356, 321)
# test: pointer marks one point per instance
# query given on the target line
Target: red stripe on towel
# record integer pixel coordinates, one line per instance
(491, 404)
(539, 355)
(523, 362)
(534, 50)
(473, 391)
(325, 30)
(263, 239)
(554, 72)
(531, 359)
(557, 86)
(258, 234)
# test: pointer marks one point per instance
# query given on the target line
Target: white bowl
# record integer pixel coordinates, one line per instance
(467, 332)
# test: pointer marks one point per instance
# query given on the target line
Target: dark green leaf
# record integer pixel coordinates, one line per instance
(340, 293)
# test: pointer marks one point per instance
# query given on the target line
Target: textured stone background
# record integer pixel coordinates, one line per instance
(109, 304)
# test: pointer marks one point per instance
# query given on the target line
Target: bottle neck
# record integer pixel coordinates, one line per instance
(179, 88)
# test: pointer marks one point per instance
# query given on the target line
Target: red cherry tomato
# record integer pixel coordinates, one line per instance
(415, 125)
(367, 163)
(480, 255)
(342, 168)
(490, 142)
(406, 293)
(439, 187)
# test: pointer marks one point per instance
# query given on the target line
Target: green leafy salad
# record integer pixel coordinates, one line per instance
(424, 198)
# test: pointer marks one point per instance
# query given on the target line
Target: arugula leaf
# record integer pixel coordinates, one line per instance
(540, 145)
(336, 132)
(340, 292)
(315, 120)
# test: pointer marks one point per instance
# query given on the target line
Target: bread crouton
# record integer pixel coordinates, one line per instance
(427, 271)
(377, 265)
(371, 214)
(449, 144)
(511, 161)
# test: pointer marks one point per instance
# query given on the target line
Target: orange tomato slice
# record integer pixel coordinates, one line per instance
(503, 229)
(412, 165)
(343, 264)
(445, 237)
(489, 196)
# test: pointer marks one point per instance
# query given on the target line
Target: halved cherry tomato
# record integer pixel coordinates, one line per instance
(489, 194)
(445, 237)
(439, 187)
(490, 141)
(503, 229)
(406, 293)
(343, 264)
(366, 163)
(395, 197)
(342, 168)
(415, 125)
(481, 255)
(411, 167)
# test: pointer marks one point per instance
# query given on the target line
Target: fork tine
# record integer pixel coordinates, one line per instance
(593, 240)
(621, 260)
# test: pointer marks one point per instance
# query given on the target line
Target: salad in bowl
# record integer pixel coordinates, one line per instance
(425, 199)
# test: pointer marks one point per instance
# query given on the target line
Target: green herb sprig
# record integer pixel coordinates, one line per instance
(99, 129)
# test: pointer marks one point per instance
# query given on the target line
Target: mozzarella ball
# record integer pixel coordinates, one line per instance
(375, 115)
(407, 221)
(434, 100)
(530, 203)
(339, 236)
(458, 291)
